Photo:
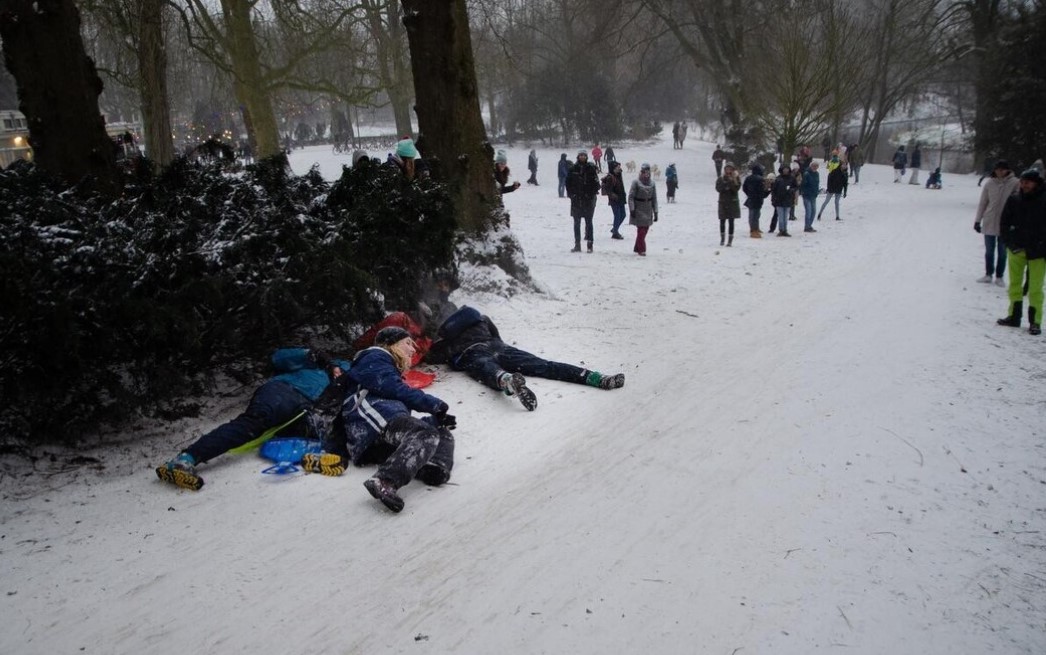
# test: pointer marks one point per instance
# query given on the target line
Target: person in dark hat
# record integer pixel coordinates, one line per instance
(1023, 230)
(303, 378)
(583, 188)
(1001, 185)
(377, 425)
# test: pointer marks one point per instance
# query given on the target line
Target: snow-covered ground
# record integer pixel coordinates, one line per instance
(825, 444)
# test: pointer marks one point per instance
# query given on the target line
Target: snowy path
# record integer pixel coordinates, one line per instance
(824, 443)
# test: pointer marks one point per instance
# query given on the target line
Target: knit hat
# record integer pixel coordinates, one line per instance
(405, 148)
(389, 336)
(1003, 164)
(1032, 174)
(501, 157)
(582, 152)
(644, 166)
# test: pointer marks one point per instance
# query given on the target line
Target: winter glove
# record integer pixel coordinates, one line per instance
(977, 228)
(447, 421)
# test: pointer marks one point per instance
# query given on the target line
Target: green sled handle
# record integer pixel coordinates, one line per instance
(268, 434)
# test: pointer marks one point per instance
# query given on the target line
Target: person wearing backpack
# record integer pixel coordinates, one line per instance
(671, 183)
(304, 378)
(613, 187)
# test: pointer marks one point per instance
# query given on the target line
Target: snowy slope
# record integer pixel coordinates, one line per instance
(824, 443)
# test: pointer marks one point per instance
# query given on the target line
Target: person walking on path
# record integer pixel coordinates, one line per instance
(1023, 230)
(756, 190)
(470, 342)
(675, 135)
(718, 157)
(782, 197)
(597, 156)
(900, 162)
(583, 189)
(838, 181)
(609, 158)
(532, 166)
(1001, 185)
(915, 163)
(564, 171)
(642, 207)
(855, 158)
(809, 188)
(613, 187)
(671, 183)
(729, 208)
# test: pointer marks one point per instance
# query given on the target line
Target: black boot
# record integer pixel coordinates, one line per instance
(730, 240)
(1014, 319)
(722, 239)
(1033, 322)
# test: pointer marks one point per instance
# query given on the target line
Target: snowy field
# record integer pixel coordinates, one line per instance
(825, 444)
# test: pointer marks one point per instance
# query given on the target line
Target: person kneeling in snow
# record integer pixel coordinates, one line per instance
(377, 425)
(470, 342)
(304, 378)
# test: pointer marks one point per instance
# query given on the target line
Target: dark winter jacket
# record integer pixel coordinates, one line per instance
(532, 162)
(1024, 223)
(376, 394)
(501, 177)
(462, 330)
(303, 370)
(917, 158)
(610, 158)
(582, 187)
(729, 207)
(900, 159)
(613, 187)
(671, 176)
(838, 180)
(782, 194)
(810, 185)
(755, 188)
(564, 167)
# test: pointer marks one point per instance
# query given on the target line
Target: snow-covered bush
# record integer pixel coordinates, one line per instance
(111, 307)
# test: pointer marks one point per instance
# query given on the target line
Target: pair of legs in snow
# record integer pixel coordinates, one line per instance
(275, 403)
(723, 234)
(994, 260)
(780, 219)
(827, 198)
(1036, 269)
(578, 215)
(503, 368)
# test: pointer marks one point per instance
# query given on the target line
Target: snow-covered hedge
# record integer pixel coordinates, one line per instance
(111, 307)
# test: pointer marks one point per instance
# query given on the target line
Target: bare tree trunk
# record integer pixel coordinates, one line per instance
(400, 87)
(152, 68)
(448, 105)
(58, 90)
(250, 88)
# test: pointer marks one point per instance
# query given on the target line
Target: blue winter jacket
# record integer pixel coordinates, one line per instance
(376, 394)
(564, 168)
(810, 185)
(298, 368)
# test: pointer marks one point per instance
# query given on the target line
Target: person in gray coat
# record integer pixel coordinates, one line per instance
(642, 207)
(1001, 185)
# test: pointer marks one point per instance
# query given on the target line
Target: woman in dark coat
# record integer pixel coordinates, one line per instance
(729, 208)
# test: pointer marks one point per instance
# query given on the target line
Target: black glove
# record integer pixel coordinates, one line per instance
(977, 228)
(447, 421)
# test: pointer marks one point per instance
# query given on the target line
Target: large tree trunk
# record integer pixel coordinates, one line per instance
(250, 89)
(448, 105)
(152, 67)
(58, 90)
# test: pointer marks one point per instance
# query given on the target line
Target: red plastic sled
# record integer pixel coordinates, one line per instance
(416, 379)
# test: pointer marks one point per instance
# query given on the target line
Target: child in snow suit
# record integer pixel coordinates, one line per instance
(470, 342)
(933, 181)
(377, 425)
(729, 208)
(671, 182)
(564, 171)
(900, 162)
(304, 378)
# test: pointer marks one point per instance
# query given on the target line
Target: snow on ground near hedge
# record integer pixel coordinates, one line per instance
(824, 444)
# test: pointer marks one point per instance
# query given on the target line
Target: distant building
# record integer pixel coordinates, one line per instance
(14, 137)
